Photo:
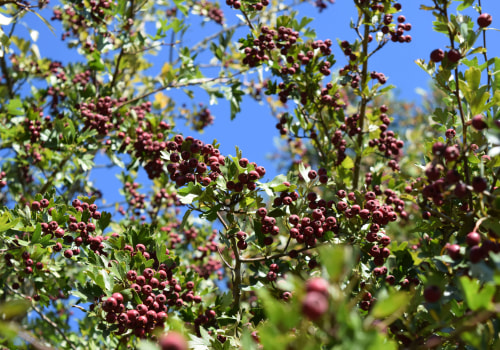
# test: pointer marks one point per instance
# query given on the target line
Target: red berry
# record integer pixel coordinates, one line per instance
(432, 294)
(454, 56)
(173, 341)
(454, 251)
(314, 305)
(437, 55)
(473, 238)
(479, 184)
(317, 284)
(478, 122)
(484, 20)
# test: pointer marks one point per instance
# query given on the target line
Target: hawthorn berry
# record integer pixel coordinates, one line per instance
(454, 56)
(314, 305)
(173, 341)
(478, 122)
(317, 284)
(484, 20)
(473, 238)
(432, 293)
(437, 55)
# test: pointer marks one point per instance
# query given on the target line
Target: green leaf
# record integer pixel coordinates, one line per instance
(304, 172)
(475, 298)
(15, 107)
(337, 260)
(14, 308)
(393, 303)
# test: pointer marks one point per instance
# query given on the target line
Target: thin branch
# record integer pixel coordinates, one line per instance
(56, 171)
(276, 256)
(236, 278)
(441, 215)
(224, 260)
(192, 82)
(362, 111)
(45, 318)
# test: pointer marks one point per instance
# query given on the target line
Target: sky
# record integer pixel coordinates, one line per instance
(253, 130)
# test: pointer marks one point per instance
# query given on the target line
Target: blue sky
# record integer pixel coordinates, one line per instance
(253, 130)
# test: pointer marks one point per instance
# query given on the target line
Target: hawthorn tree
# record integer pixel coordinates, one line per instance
(381, 233)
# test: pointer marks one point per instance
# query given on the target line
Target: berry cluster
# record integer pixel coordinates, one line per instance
(315, 303)
(257, 6)
(99, 116)
(212, 11)
(157, 290)
(82, 79)
(327, 99)
(443, 177)
(3, 182)
(312, 227)
(202, 119)
(135, 199)
(247, 178)
(34, 128)
(340, 146)
(397, 35)
(453, 55)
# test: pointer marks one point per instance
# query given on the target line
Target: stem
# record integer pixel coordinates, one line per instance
(56, 171)
(485, 53)
(362, 110)
(236, 278)
(456, 92)
(177, 85)
(6, 74)
(46, 319)
(276, 256)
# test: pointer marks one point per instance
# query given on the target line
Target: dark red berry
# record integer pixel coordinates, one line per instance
(432, 293)
(484, 20)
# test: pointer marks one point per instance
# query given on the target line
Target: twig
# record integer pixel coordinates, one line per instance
(441, 215)
(184, 84)
(45, 318)
(224, 260)
(276, 256)
(236, 278)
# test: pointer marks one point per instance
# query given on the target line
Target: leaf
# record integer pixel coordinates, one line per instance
(185, 218)
(393, 303)
(43, 20)
(15, 107)
(348, 163)
(477, 299)
(473, 77)
(304, 172)
(35, 238)
(337, 260)
(147, 345)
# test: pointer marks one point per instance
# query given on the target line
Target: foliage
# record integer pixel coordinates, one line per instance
(382, 232)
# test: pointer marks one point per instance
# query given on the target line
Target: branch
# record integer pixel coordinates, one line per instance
(276, 256)
(191, 82)
(236, 278)
(362, 111)
(45, 318)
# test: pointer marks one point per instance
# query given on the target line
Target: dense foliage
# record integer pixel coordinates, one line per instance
(382, 233)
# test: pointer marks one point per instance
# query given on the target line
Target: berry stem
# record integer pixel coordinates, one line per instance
(362, 109)
(236, 270)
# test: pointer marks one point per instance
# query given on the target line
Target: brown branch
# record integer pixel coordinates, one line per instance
(362, 111)
(45, 318)
(56, 171)
(276, 256)
(192, 82)
(236, 278)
